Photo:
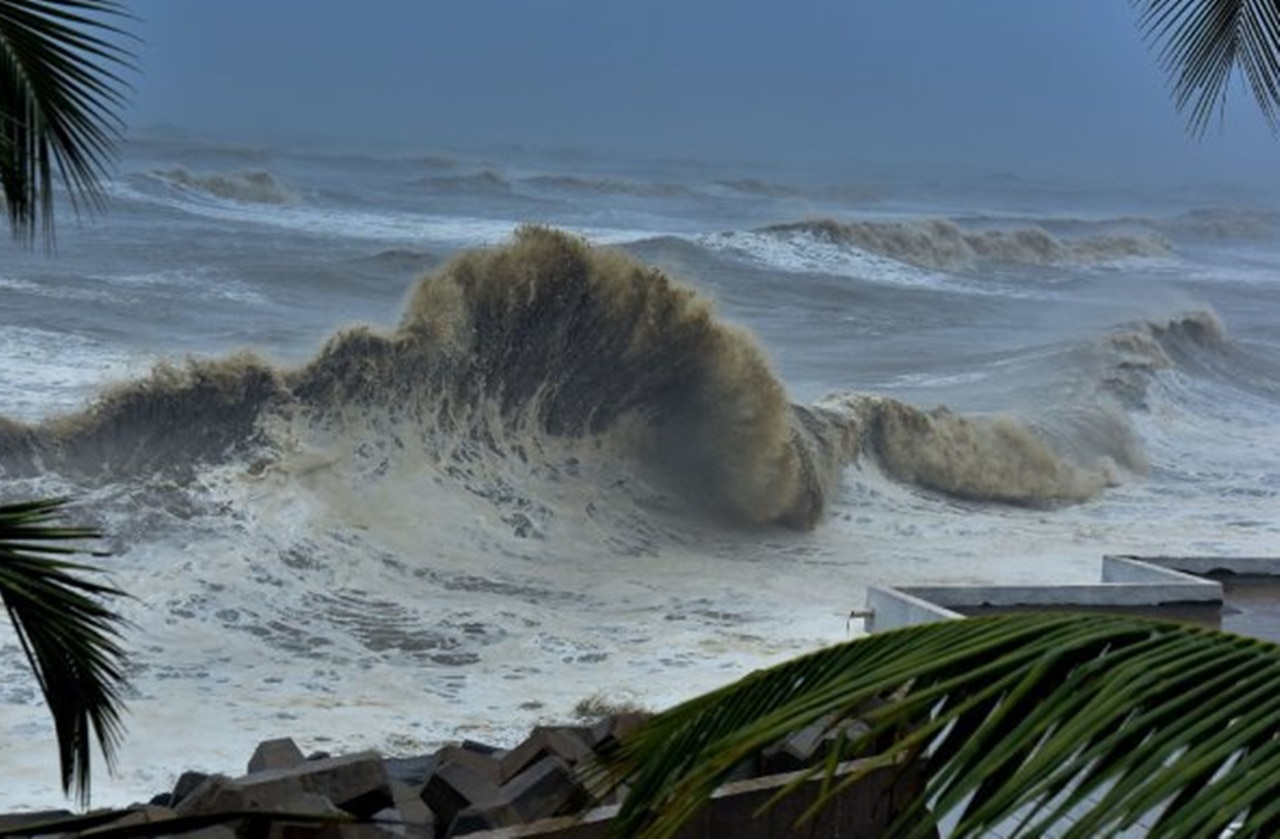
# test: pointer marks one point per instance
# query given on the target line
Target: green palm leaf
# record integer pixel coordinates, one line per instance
(1024, 718)
(1202, 42)
(70, 638)
(59, 93)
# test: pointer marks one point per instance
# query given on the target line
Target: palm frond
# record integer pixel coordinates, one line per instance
(71, 639)
(1201, 43)
(1023, 719)
(59, 95)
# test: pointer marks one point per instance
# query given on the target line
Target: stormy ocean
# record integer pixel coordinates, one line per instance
(402, 448)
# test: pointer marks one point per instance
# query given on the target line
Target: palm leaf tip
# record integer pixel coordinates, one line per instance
(60, 90)
(1201, 44)
(67, 631)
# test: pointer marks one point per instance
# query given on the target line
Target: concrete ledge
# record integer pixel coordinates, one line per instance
(1126, 582)
(890, 608)
(1132, 569)
(1260, 566)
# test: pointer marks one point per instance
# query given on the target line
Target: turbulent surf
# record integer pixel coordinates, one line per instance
(383, 464)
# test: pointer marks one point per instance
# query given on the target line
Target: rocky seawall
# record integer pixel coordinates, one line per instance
(541, 787)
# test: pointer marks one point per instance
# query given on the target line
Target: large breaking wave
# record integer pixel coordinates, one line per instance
(550, 339)
(254, 187)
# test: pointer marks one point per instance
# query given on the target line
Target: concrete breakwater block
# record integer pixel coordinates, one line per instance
(472, 790)
(809, 745)
(454, 787)
(281, 753)
(12, 822)
(570, 744)
(541, 790)
(355, 785)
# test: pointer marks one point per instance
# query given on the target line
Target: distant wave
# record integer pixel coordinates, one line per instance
(411, 230)
(1225, 224)
(435, 161)
(487, 182)
(490, 182)
(251, 187)
(1221, 223)
(942, 244)
(1133, 353)
(406, 261)
(850, 193)
(802, 252)
(1195, 344)
(550, 338)
(607, 186)
(976, 458)
(1148, 344)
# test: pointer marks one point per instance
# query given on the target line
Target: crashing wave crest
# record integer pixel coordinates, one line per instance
(548, 337)
(257, 187)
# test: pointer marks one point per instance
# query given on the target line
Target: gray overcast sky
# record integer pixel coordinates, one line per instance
(1024, 86)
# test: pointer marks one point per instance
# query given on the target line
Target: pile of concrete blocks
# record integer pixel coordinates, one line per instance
(463, 789)
(471, 788)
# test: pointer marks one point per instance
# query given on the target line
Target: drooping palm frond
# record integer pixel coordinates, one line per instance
(1202, 42)
(59, 96)
(69, 636)
(1024, 718)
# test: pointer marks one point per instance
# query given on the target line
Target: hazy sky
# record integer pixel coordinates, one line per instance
(1024, 86)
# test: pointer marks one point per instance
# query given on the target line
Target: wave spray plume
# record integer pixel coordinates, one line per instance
(546, 338)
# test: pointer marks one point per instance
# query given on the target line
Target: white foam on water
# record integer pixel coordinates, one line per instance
(391, 610)
(799, 252)
(15, 284)
(404, 615)
(451, 231)
(44, 372)
(204, 282)
(913, 380)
